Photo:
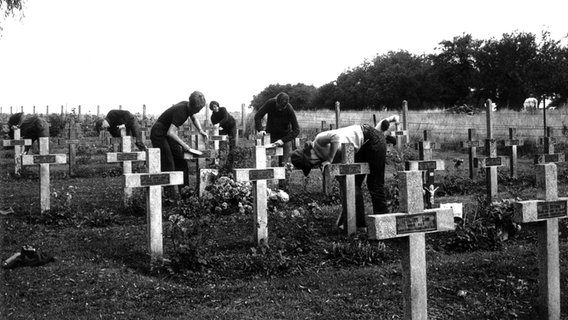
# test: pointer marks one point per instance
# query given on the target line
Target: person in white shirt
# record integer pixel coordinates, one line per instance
(370, 146)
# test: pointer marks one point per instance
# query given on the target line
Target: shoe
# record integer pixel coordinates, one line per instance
(27, 257)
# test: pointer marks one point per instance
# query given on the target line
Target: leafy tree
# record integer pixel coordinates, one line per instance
(454, 69)
(10, 8)
(326, 96)
(301, 95)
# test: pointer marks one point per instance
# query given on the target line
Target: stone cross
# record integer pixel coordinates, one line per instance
(548, 156)
(512, 143)
(491, 161)
(153, 181)
(200, 156)
(44, 159)
(126, 156)
(345, 172)
(428, 166)
(544, 214)
(72, 141)
(472, 145)
(19, 147)
(258, 176)
(411, 226)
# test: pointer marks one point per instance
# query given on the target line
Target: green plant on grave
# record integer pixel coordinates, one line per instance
(63, 208)
(486, 228)
(99, 218)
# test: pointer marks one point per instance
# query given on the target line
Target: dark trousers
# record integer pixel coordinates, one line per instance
(232, 135)
(374, 152)
(171, 152)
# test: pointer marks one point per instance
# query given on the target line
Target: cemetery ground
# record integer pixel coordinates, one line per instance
(486, 269)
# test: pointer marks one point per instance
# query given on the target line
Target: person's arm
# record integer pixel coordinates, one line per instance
(197, 125)
(394, 118)
(224, 117)
(172, 133)
(295, 130)
(258, 117)
(135, 128)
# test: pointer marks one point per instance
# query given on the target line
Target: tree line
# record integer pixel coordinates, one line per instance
(462, 71)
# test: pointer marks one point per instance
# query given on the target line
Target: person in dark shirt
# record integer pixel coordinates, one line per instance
(282, 125)
(228, 125)
(31, 127)
(115, 119)
(164, 134)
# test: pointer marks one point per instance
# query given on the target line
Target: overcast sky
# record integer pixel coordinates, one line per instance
(134, 52)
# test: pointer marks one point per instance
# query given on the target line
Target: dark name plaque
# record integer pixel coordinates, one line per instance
(50, 158)
(346, 169)
(400, 133)
(551, 209)
(261, 174)
(513, 142)
(270, 152)
(412, 223)
(126, 156)
(493, 162)
(11, 143)
(548, 158)
(427, 165)
(472, 144)
(155, 179)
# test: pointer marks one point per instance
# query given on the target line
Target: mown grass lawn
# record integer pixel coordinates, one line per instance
(103, 272)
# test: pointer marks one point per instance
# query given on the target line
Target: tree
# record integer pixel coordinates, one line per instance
(301, 95)
(10, 8)
(454, 70)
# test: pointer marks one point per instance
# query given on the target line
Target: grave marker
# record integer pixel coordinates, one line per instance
(125, 157)
(491, 161)
(512, 143)
(19, 145)
(472, 145)
(544, 214)
(153, 181)
(411, 226)
(258, 176)
(427, 166)
(345, 173)
(44, 159)
(548, 156)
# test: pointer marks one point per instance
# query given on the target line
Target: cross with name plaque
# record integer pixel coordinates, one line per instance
(73, 132)
(126, 156)
(217, 138)
(153, 181)
(44, 159)
(427, 166)
(545, 214)
(401, 133)
(19, 145)
(472, 145)
(491, 162)
(258, 176)
(411, 226)
(512, 144)
(548, 156)
(345, 172)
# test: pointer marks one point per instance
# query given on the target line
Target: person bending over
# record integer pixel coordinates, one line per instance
(164, 134)
(227, 123)
(116, 119)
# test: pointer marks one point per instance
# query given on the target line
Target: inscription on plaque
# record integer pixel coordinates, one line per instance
(8, 143)
(472, 144)
(400, 133)
(412, 223)
(427, 165)
(261, 174)
(349, 169)
(127, 156)
(552, 157)
(493, 162)
(551, 209)
(50, 158)
(154, 179)
(514, 142)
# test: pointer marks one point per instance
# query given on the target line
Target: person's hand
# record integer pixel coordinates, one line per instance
(121, 126)
(204, 133)
(278, 143)
(261, 133)
(14, 127)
